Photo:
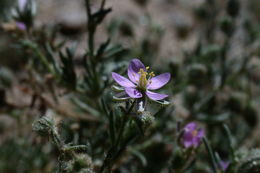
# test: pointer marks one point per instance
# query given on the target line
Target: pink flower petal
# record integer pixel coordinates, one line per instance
(155, 96)
(196, 141)
(224, 165)
(21, 26)
(124, 82)
(134, 66)
(201, 133)
(159, 81)
(187, 139)
(133, 93)
(190, 126)
(192, 136)
(198, 138)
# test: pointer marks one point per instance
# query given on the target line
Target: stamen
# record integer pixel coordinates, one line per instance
(151, 74)
(144, 78)
(194, 133)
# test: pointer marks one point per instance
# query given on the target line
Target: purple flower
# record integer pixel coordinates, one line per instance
(21, 25)
(192, 135)
(141, 82)
(224, 165)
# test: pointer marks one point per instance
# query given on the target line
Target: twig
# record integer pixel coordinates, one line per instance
(103, 4)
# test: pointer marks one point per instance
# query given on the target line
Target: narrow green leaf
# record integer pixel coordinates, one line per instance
(230, 140)
(211, 155)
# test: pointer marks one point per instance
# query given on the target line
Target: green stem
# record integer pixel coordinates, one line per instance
(113, 152)
(210, 152)
(73, 148)
(41, 56)
(103, 4)
(56, 139)
(230, 140)
(223, 63)
(91, 26)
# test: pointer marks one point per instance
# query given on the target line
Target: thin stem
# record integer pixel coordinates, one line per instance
(230, 140)
(210, 152)
(61, 145)
(42, 58)
(91, 26)
(56, 139)
(223, 63)
(113, 151)
(76, 147)
(103, 4)
(125, 118)
(88, 9)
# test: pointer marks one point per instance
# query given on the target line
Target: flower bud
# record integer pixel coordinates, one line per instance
(146, 118)
(83, 161)
(43, 126)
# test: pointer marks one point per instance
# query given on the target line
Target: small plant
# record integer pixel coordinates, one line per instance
(117, 97)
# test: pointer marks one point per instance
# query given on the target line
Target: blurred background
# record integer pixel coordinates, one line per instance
(210, 47)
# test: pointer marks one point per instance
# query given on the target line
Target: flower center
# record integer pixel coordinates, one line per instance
(194, 133)
(144, 78)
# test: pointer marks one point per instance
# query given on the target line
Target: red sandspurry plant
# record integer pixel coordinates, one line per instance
(192, 135)
(104, 136)
(141, 81)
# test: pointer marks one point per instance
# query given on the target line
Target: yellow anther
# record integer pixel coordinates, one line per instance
(144, 78)
(151, 74)
(147, 68)
(194, 133)
(141, 71)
